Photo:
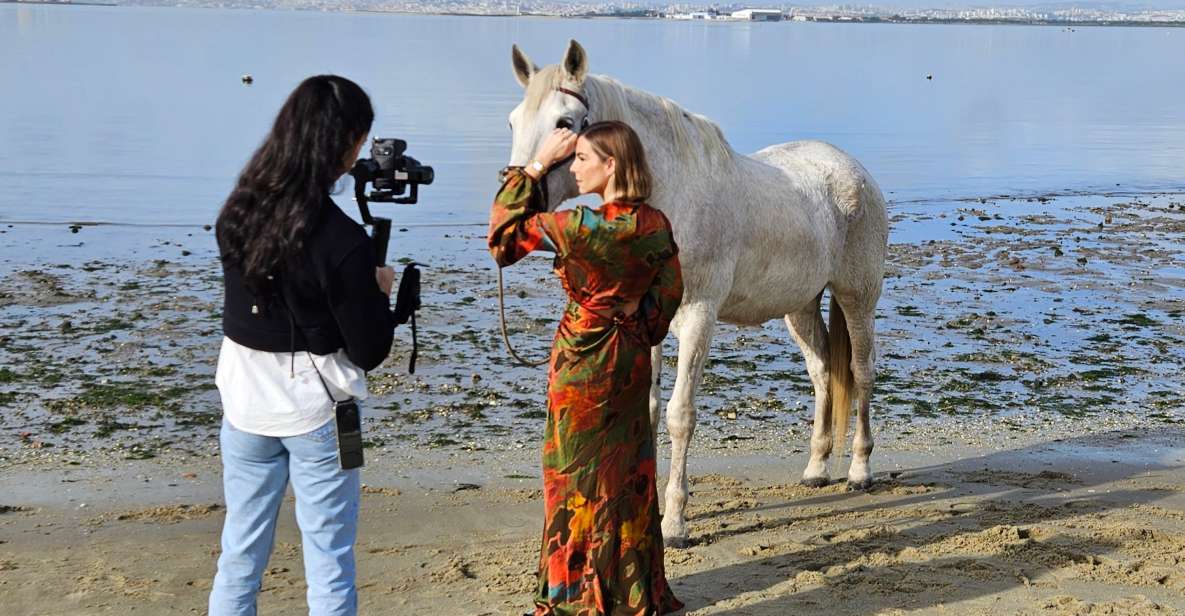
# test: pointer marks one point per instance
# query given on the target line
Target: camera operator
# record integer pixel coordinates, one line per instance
(306, 315)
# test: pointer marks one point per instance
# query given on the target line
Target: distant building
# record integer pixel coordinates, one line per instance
(758, 15)
(697, 15)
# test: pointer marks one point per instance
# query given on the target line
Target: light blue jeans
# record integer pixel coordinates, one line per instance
(255, 474)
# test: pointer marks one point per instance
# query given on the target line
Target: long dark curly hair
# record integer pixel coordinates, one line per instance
(282, 191)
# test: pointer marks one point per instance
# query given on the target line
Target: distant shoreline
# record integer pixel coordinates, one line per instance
(49, 2)
(1024, 22)
(865, 21)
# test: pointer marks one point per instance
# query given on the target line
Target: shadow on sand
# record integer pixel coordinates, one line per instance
(977, 527)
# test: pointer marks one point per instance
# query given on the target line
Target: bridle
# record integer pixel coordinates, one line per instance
(584, 124)
(583, 101)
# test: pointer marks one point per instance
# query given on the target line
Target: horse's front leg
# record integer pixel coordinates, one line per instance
(695, 336)
(655, 392)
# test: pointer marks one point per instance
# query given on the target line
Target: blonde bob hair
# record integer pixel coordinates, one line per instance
(631, 178)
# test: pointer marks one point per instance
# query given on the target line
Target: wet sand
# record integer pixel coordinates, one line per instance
(1028, 417)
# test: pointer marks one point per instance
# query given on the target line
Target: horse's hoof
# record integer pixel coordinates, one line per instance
(860, 486)
(677, 543)
(815, 482)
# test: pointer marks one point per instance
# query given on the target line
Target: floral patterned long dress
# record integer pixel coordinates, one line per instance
(602, 550)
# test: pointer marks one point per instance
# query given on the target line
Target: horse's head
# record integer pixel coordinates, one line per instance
(553, 97)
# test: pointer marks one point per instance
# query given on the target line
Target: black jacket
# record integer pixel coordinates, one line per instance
(329, 294)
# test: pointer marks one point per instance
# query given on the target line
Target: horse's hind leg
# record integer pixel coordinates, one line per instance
(695, 327)
(860, 315)
(808, 330)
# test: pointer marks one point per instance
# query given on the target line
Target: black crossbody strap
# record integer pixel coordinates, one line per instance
(324, 385)
(292, 349)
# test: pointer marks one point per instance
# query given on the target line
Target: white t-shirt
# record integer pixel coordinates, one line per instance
(278, 394)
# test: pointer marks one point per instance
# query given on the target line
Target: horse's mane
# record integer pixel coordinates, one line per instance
(613, 100)
(617, 101)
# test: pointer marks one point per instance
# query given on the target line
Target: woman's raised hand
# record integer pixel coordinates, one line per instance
(556, 147)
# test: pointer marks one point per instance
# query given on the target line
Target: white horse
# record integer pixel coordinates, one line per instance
(759, 237)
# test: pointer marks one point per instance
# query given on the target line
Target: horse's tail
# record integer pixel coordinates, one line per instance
(839, 371)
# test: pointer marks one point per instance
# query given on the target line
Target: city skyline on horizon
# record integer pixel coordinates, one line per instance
(1101, 11)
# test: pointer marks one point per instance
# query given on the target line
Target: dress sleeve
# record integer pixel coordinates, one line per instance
(662, 299)
(519, 222)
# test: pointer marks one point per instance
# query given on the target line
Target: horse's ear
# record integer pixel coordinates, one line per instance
(523, 67)
(575, 61)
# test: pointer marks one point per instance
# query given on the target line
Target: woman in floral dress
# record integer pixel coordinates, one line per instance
(602, 551)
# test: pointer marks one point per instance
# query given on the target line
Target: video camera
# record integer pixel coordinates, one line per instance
(392, 172)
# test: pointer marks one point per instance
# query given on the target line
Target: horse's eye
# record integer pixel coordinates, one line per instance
(564, 123)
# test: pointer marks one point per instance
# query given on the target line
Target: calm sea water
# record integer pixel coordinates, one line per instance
(137, 115)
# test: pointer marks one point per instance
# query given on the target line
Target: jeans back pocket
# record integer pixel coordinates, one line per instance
(322, 434)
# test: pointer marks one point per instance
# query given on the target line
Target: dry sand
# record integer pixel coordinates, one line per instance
(1089, 526)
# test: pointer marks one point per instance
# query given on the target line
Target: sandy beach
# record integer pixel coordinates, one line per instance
(1029, 421)
(1086, 526)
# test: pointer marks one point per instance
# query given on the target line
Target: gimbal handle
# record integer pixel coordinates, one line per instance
(380, 228)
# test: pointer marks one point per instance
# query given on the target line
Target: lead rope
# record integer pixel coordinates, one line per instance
(505, 333)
